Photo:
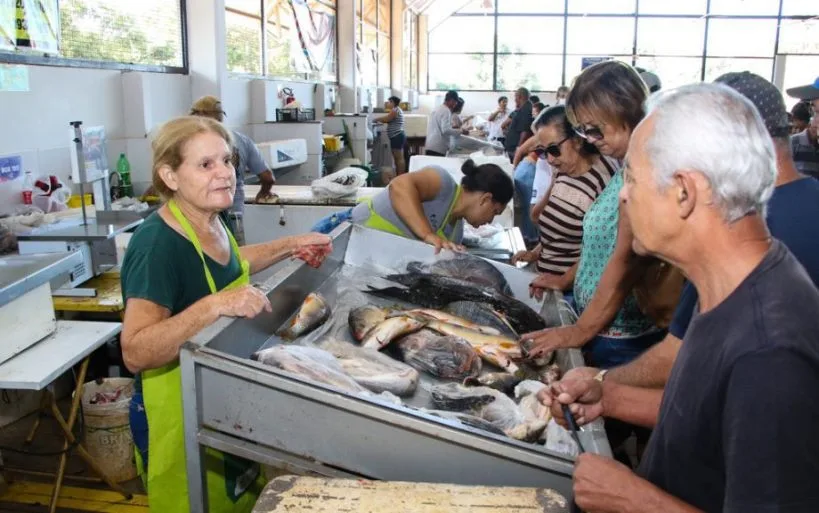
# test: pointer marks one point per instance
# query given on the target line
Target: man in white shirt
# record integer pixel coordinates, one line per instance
(439, 127)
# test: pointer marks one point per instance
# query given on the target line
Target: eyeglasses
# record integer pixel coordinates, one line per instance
(589, 132)
(552, 149)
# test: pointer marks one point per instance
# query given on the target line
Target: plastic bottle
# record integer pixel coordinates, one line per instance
(28, 188)
(124, 170)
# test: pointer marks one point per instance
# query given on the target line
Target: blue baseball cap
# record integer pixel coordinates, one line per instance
(806, 92)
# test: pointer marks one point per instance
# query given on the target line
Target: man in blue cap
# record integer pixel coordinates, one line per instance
(809, 93)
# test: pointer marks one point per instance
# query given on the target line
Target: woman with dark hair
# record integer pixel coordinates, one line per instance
(395, 131)
(537, 108)
(429, 205)
(605, 104)
(581, 176)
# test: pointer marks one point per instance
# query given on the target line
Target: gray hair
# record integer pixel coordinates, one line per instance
(715, 130)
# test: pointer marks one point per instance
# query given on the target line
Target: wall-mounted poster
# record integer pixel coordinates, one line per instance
(8, 24)
(38, 25)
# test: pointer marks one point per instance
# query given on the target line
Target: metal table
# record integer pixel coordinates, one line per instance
(245, 408)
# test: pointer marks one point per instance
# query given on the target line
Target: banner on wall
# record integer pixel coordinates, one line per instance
(8, 24)
(314, 39)
(38, 25)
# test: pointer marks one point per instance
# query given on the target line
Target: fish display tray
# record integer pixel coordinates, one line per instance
(243, 407)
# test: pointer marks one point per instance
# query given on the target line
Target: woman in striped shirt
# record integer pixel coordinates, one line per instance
(581, 176)
(395, 131)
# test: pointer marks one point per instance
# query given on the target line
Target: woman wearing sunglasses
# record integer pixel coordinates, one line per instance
(581, 176)
(605, 104)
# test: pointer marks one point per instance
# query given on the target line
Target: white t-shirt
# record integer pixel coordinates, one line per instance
(543, 179)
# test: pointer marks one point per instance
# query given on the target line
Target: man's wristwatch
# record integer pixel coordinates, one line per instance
(601, 375)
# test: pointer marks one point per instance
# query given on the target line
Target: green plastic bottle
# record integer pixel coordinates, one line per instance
(124, 170)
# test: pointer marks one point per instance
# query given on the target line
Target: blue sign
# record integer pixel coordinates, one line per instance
(585, 62)
(10, 168)
(283, 157)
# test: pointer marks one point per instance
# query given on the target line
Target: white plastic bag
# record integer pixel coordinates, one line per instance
(339, 184)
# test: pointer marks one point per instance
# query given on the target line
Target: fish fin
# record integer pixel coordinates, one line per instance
(415, 267)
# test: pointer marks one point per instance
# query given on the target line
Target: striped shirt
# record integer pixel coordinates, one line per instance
(396, 126)
(561, 222)
(805, 154)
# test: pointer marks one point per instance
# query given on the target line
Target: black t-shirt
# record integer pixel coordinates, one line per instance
(739, 422)
(521, 122)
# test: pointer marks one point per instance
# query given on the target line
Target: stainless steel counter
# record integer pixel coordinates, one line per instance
(20, 274)
(72, 232)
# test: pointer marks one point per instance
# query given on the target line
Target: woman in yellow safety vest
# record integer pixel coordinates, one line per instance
(429, 205)
(182, 271)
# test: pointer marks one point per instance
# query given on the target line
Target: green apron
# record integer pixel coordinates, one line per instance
(228, 477)
(377, 222)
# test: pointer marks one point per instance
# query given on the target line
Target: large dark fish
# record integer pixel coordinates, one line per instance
(482, 314)
(465, 267)
(456, 397)
(434, 291)
(467, 420)
(442, 356)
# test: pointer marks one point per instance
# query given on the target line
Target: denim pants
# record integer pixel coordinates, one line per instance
(524, 182)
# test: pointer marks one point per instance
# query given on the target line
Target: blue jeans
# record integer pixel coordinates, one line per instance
(139, 423)
(524, 182)
(331, 222)
(606, 352)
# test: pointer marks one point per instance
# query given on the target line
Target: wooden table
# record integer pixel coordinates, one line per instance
(107, 300)
(318, 495)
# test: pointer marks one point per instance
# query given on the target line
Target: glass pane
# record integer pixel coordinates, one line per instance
(368, 16)
(797, 36)
(463, 34)
(667, 7)
(384, 19)
(414, 71)
(478, 7)
(461, 72)
(574, 65)
(515, 34)
(716, 67)
(673, 71)
(799, 7)
(384, 78)
(244, 43)
(279, 38)
(406, 65)
(368, 56)
(602, 6)
(652, 36)
(799, 70)
(600, 36)
(322, 6)
(745, 7)
(358, 8)
(531, 6)
(248, 6)
(535, 72)
(741, 38)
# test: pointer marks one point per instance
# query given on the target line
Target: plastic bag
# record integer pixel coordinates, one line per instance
(373, 370)
(442, 356)
(309, 363)
(339, 184)
(559, 440)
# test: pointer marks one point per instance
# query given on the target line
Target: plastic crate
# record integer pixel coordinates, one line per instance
(295, 115)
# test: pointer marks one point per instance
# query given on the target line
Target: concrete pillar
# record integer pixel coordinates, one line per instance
(347, 75)
(423, 51)
(207, 52)
(397, 49)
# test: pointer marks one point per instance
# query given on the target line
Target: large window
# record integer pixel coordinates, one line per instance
(281, 38)
(373, 41)
(144, 35)
(541, 44)
(410, 52)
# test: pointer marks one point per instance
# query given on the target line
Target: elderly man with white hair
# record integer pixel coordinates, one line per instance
(735, 430)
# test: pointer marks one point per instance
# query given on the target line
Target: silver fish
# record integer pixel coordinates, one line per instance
(312, 313)
(372, 369)
(498, 358)
(482, 314)
(502, 381)
(309, 363)
(449, 318)
(363, 319)
(389, 330)
(508, 346)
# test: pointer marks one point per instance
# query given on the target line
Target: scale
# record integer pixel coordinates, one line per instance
(93, 238)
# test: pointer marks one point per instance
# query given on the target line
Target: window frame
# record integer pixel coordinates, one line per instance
(32, 58)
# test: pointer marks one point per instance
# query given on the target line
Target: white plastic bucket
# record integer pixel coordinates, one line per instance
(107, 428)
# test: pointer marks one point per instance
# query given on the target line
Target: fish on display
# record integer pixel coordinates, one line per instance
(363, 319)
(467, 420)
(434, 291)
(482, 314)
(442, 356)
(389, 330)
(501, 381)
(456, 397)
(550, 374)
(448, 318)
(314, 311)
(373, 370)
(508, 346)
(528, 345)
(309, 363)
(465, 267)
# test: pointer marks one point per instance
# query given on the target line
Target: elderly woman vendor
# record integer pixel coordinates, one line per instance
(429, 205)
(181, 272)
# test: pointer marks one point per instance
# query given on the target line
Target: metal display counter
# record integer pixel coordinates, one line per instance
(242, 407)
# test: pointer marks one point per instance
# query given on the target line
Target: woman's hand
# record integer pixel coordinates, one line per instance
(524, 256)
(545, 282)
(246, 301)
(313, 248)
(433, 239)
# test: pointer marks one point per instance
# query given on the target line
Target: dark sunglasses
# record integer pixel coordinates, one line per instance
(552, 149)
(589, 132)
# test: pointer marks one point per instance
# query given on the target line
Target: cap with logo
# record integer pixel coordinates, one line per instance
(765, 96)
